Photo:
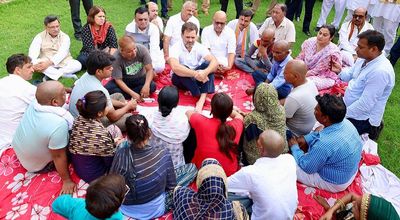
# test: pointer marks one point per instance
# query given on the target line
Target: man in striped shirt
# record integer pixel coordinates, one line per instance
(328, 159)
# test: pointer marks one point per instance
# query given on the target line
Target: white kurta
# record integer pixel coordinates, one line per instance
(220, 46)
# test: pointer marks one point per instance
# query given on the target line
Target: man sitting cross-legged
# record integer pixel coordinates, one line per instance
(16, 93)
(99, 67)
(188, 71)
(220, 40)
(328, 159)
(132, 70)
(50, 54)
(262, 50)
(281, 54)
(270, 182)
(41, 138)
(300, 103)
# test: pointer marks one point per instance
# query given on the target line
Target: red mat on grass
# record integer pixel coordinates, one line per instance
(29, 196)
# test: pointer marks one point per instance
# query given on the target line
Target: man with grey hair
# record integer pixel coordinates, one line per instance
(172, 32)
(50, 54)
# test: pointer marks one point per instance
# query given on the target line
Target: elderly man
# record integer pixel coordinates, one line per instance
(349, 31)
(50, 54)
(153, 16)
(41, 138)
(16, 93)
(172, 32)
(132, 70)
(284, 28)
(328, 159)
(270, 181)
(100, 66)
(326, 8)
(147, 34)
(245, 32)
(220, 40)
(300, 103)
(371, 81)
(262, 50)
(188, 71)
(281, 54)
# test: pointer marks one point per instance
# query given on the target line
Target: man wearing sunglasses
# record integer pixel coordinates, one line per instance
(221, 42)
(349, 31)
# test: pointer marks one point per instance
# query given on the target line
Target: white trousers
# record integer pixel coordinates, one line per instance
(71, 67)
(388, 28)
(158, 61)
(326, 8)
(315, 180)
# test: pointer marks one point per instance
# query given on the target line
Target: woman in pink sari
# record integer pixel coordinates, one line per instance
(319, 53)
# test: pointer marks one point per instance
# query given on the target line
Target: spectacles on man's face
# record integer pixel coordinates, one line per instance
(358, 16)
(127, 189)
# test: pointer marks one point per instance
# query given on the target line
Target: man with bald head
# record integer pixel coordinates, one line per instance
(132, 71)
(221, 42)
(270, 182)
(42, 136)
(281, 54)
(349, 31)
(300, 103)
(172, 32)
(261, 49)
(153, 16)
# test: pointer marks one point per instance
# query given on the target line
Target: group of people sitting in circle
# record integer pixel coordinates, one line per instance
(293, 133)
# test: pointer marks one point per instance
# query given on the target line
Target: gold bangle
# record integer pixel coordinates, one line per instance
(342, 205)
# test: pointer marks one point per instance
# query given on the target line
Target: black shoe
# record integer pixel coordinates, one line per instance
(307, 33)
(166, 16)
(317, 29)
(78, 36)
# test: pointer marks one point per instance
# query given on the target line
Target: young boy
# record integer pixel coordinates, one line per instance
(104, 196)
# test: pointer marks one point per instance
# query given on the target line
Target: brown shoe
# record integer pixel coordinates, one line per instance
(250, 91)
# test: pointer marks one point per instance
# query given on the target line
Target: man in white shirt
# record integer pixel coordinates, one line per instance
(172, 32)
(153, 15)
(190, 72)
(245, 32)
(220, 40)
(349, 31)
(270, 182)
(300, 103)
(284, 28)
(16, 93)
(148, 35)
(50, 54)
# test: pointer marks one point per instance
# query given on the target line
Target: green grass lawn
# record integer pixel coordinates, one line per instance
(23, 19)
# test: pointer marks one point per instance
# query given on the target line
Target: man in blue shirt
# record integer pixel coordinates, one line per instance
(328, 159)
(281, 54)
(371, 80)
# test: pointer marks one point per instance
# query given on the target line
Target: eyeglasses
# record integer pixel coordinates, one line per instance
(127, 189)
(358, 16)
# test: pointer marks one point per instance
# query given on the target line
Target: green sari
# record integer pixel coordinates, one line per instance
(373, 207)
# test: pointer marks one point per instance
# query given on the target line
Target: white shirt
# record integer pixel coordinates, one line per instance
(174, 26)
(15, 95)
(285, 31)
(220, 46)
(271, 183)
(190, 59)
(154, 34)
(299, 108)
(344, 42)
(253, 35)
(159, 23)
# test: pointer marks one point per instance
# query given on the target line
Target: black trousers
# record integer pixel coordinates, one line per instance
(75, 13)
(293, 6)
(164, 7)
(238, 6)
(395, 52)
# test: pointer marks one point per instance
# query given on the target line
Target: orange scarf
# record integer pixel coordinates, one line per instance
(100, 36)
(246, 35)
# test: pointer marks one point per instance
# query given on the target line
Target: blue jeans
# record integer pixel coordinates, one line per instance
(283, 90)
(242, 64)
(190, 83)
(135, 85)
